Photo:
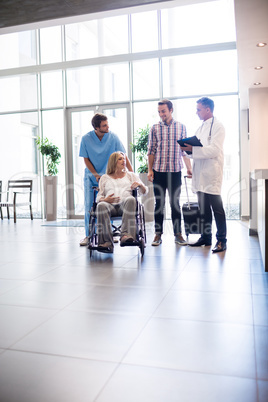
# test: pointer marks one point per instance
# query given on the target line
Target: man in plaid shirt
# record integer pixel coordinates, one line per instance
(164, 170)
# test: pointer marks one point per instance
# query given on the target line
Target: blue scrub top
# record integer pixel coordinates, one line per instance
(98, 152)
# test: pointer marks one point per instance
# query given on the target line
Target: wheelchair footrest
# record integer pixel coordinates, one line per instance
(130, 243)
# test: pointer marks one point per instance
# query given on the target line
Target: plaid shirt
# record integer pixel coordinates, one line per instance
(162, 143)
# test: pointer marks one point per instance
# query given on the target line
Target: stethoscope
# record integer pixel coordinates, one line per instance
(209, 136)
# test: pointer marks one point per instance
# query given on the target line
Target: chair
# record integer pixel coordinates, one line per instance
(24, 188)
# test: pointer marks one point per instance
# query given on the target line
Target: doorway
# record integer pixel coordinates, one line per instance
(79, 124)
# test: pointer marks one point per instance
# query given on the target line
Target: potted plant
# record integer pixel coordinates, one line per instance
(52, 155)
(140, 148)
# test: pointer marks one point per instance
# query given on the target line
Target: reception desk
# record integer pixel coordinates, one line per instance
(258, 223)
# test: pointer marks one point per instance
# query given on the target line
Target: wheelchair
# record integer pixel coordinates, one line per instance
(140, 240)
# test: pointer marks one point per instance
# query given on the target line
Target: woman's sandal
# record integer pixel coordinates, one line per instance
(125, 240)
(106, 248)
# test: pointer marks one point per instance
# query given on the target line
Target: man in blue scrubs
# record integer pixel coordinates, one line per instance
(96, 147)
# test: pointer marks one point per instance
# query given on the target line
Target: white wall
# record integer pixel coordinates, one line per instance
(244, 154)
(258, 128)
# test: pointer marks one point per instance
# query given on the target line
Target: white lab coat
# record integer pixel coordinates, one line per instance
(208, 160)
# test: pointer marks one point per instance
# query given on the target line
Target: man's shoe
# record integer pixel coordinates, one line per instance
(157, 240)
(219, 246)
(180, 240)
(84, 242)
(201, 242)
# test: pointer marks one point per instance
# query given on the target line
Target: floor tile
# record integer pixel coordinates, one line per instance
(262, 391)
(105, 337)
(16, 322)
(214, 282)
(29, 377)
(142, 278)
(207, 306)
(8, 284)
(196, 346)
(135, 383)
(43, 295)
(260, 309)
(260, 283)
(119, 300)
(261, 340)
(24, 271)
(71, 273)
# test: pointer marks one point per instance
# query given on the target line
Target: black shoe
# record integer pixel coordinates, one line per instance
(201, 242)
(219, 246)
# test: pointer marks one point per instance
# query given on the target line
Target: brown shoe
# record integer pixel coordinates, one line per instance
(180, 240)
(157, 240)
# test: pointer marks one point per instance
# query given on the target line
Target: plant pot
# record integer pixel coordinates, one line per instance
(148, 199)
(50, 189)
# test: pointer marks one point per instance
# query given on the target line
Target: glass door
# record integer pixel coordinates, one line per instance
(78, 124)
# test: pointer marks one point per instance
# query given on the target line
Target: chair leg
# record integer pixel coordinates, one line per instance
(31, 212)
(1, 212)
(15, 214)
(8, 213)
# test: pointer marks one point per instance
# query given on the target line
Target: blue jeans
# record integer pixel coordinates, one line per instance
(89, 182)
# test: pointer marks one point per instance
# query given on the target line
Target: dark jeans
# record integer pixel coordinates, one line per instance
(170, 181)
(207, 204)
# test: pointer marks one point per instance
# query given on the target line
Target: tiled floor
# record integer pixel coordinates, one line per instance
(182, 325)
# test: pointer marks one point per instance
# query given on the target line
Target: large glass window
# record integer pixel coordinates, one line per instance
(104, 37)
(83, 86)
(18, 49)
(50, 41)
(201, 73)
(146, 79)
(53, 129)
(144, 31)
(18, 93)
(51, 84)
(198, 24)
(135, 59)
(18, 158)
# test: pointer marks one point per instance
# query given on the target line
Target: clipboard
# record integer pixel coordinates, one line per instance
(194, 141)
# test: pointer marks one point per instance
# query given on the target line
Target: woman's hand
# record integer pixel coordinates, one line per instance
(111, 199)
(135, 184)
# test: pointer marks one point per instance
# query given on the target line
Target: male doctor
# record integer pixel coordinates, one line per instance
(207, 175)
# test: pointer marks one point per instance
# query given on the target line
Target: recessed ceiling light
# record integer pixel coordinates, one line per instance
(258, 68)
(257, 83)
(261, 44)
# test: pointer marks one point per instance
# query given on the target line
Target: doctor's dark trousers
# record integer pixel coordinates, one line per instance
(207, 204)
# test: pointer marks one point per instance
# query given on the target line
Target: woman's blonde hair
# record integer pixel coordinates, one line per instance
(112, 162)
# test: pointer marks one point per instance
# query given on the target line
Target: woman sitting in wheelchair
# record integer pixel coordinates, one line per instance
(115, 199)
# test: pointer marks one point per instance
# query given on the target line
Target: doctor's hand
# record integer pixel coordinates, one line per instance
(187, 147)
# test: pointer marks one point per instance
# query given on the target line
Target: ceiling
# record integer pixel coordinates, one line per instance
(251, 25)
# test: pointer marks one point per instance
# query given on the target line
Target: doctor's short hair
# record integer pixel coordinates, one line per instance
(207, 102)
(166, 102)
(97, 119)
(112, 162)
